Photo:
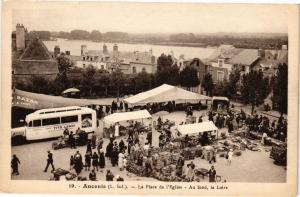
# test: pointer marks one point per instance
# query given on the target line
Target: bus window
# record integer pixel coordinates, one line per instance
(50, 121)
(37, 123)
(68, 119)
(30, 124)
(86, 120)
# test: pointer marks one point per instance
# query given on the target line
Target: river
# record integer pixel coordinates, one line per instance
(74, 46)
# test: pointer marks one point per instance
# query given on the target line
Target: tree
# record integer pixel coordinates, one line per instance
(253, 89)
(79, 34)
(166, 72)
(234, 78)
(117, 81)
(221, 89)
(88, 79)
(64, 63)
(280, 89)
(143, 81)
(189, 77)
(95, 35)
(208, 84)
(104, 81)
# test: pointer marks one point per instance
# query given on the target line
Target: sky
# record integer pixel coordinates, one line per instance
(155, 18)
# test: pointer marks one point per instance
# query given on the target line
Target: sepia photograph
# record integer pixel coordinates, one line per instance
(150, 93)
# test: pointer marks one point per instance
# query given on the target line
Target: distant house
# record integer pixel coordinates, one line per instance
(226, 58)
(270, 61)
(127, 62)
(31, 58)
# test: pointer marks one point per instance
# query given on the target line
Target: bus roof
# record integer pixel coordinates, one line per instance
(220, 98)
(60, 111)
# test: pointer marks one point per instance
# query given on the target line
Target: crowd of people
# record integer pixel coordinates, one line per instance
(136, 146)
(259, 123)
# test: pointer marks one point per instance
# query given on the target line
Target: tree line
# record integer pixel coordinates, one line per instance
(251, 88)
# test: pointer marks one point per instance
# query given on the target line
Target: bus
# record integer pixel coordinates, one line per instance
(220, 104)
(50, 123)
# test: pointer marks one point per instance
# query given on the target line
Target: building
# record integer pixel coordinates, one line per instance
(226, 58)
(127, 62)
(30, 58)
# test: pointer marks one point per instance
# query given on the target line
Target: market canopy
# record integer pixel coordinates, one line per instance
(124, 116)
(36, 101)
(197, 128)
(165, 93)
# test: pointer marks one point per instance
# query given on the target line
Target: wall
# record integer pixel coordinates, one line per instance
(150, 68)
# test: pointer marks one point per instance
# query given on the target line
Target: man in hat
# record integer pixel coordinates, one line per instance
(49, 161)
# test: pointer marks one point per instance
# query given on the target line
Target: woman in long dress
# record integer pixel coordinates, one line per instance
(117, 132)
(190, 173)
(101, 159)
(120, 160)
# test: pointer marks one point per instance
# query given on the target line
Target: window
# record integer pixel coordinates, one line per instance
(144, 69)
(220, 62)
(50, 121)
(37, 123)
(83, 65)
(134, 69)
(68, 119)
(102, 67)
(83, 58)
(220, 76)
(86, 120)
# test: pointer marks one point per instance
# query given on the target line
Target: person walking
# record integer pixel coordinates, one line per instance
(229, 156)
(101, 159)
(72, 140)
(78, 164)
(49, 161)
(89, 147)
(120, 160)
(117, 132)
(88, 161)
(15, 165)
(95, 161)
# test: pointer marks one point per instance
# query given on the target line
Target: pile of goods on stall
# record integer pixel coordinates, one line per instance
(164, 162)
(279, 154)
(69, 176)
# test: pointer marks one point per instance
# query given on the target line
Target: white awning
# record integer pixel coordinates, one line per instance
(124, 116)
(165, 93)
(197, 127)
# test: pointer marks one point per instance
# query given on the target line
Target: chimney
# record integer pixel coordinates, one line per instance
(152, 59)
(56, 51)
(115, 50)
(261, 53)
(83, 50)
(105, 49)
(20, 37)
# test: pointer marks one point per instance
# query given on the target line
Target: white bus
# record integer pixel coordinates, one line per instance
(50, 123)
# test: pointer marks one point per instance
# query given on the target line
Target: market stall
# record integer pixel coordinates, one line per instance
(188, 129)
(165, 93)
(117, 118)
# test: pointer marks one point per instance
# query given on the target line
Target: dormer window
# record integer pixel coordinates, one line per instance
(220, 62)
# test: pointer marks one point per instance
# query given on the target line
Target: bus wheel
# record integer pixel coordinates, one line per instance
(18, 140)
